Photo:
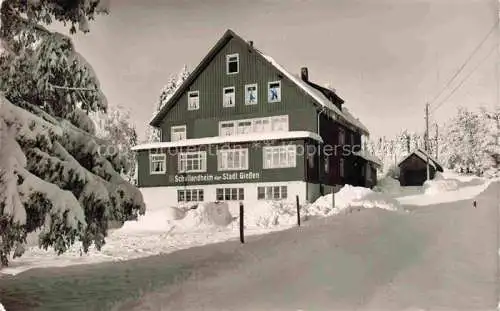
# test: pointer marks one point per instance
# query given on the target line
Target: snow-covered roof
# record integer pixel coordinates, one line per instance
(230, 139)
(423, 155)
(317, 95)
(368, 157)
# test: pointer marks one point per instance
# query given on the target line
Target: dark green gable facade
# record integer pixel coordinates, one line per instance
(211, 112)
(253, 68)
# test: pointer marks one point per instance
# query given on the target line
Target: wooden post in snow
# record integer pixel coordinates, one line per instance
(298, 209)
(242, 224)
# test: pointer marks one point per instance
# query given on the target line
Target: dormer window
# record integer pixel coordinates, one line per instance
(232, 64)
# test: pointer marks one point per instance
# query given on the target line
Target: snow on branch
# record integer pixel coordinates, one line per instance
(69, 88)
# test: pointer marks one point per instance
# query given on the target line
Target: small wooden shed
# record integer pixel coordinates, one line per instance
(413, 168)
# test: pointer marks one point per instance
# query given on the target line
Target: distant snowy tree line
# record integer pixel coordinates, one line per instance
(467, 143)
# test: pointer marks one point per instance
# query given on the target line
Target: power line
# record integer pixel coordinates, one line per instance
(465, 79)
(461, 68)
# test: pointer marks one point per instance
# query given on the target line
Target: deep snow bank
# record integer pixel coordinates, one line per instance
(267, 214)
(352, 197)
(181, 218)
(447, 187)
(209, 214)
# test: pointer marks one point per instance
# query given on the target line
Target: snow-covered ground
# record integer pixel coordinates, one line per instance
(165, 229)
(447, 187)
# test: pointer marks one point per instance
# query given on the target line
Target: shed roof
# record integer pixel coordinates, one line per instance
(423, 155)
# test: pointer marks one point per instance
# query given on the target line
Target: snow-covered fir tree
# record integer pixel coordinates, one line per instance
(174, 82)
(53, 178)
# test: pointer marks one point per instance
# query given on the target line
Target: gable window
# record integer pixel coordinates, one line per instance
(159, 133)
(178, 132)
(228, 97)
(341, 137)
(232, 63)
(157, 163)
(341, 167)
(280, 123)
(251, 94)
(279, 156)
(227, 128)
(192, 162)
(274, 92)
(272, 193)
(190, 195)
(244, 127)
(232, 159)
(194, 100)
(229, 194)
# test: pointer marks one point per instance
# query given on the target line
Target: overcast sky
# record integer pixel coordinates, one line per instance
(386, 58)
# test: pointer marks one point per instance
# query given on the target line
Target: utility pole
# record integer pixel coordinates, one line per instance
(437, 141)
(427, 138)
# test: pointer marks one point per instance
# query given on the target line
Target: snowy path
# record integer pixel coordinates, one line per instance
(435, 257)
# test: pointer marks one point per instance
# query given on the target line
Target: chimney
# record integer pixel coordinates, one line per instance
(304, 75)
(251, 43)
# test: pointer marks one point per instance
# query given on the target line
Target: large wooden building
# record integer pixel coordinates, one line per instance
(241, 127)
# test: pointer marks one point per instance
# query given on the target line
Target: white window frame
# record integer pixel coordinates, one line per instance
(272, 192)
(224, 96)
(160, 133)
(258, 125)
(341, 137)
(269, 92)
(191, 192)
(182, 162)
(286, 152)
(228, 192)
(247, 94)
(244, 129)
(228, 56)
(177, 127)
(191, 105)
(233, 126)
(163, 162)
(279, 118)
(341, 167)
(223, 164)
(265, 128)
